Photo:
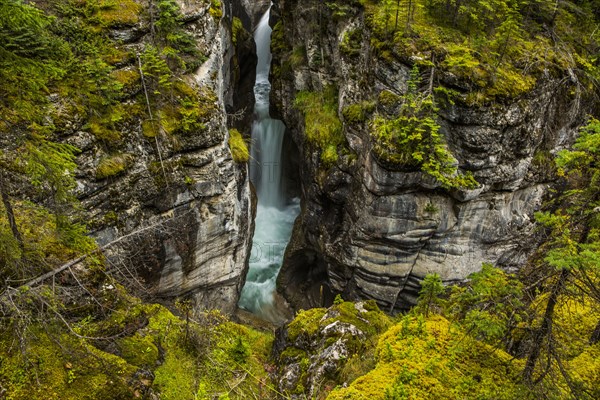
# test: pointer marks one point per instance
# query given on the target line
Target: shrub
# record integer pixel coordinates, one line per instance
(351, 42)
(412, 140)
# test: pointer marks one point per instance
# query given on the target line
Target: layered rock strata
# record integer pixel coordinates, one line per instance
(176, 222)
(370, 230)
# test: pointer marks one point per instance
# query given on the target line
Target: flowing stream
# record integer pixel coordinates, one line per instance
(275, 214)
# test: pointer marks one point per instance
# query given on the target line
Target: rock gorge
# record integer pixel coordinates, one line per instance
(179, 217)
(371, 230)
(367, 229)
(357, 199)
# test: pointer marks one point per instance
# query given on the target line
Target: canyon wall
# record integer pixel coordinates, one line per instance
(177, 221)
(370, 230)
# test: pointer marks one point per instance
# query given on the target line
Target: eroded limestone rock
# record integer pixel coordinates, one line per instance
(371, 230)
(177, 220)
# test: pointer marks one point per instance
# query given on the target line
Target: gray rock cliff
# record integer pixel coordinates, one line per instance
(372, 231)
(178, 219)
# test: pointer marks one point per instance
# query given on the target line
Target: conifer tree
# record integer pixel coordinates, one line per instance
(431, 289)
(573, 252)
(32, 60)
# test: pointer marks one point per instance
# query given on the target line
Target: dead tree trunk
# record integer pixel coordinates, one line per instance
(10, 214)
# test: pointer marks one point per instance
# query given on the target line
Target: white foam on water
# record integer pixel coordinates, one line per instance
(275, 214)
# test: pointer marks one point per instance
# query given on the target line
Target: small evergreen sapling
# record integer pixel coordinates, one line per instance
(429, 296)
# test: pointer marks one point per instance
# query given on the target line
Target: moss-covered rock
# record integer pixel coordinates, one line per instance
(238, 147)
(113, 165)
(321, 121)
(322, 348)
(118, 13)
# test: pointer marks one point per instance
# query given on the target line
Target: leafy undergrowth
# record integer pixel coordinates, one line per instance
(573, 327)
(457, 344)
(138, 350)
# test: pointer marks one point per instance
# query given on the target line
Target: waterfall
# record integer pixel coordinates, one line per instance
(275, 214)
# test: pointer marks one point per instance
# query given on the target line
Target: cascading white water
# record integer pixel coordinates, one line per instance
(275, 215)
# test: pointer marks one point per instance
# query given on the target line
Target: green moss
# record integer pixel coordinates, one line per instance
(107, 125)
(358, 112)
(462, 61)
(117, 13)
(292, 354)
(278, 40)
(47, 372)
(196, 359)
(236, 30)
(189, 181)
(176, 378)
(221, 367)
(150, 128)
(101, 131)
(113, 165)
(308, 342)
(216, 10)
(168, 119)
(129, 78)
(372, 322)
(139, 350)
(239, 351)
(323, 127)
(238, 146)
(306, 323)
(189, 114)
(509, 82)
(117, 55)
(455, 367)
(45, 241)
(298, 57)
(389, 99)
(192, 116)
(110, 218)
(341, 11)
(351, 43)
(329, 155)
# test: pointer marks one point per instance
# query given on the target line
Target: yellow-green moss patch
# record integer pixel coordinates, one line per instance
(129, 78)
(115, 13)
(321, 122)
(113, 165)
(430, 359)
(238, 147)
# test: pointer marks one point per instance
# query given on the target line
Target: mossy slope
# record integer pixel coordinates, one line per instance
(143, 350)
(429, 358)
